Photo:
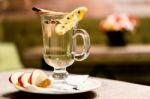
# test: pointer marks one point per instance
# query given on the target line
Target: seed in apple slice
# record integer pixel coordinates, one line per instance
(24, 79)
(14, 77)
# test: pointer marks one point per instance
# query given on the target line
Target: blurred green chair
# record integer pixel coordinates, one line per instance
(9, 57)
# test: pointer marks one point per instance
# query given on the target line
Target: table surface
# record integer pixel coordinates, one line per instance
(110, 89)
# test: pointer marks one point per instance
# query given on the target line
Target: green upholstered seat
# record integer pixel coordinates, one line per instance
(9, 57)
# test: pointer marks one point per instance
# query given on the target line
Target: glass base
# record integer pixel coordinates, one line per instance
(60, 74)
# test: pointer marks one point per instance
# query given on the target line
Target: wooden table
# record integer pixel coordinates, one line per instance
(110, 89)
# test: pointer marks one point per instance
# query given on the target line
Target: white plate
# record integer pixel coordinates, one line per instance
(90, 84)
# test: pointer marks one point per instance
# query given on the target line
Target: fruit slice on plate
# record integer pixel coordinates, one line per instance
(26, 80)
(14, 77)
(70, 20)
(39, 78)
(23, 80)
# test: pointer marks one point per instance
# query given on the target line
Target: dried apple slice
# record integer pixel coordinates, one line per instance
(70, 20)
(78, 12)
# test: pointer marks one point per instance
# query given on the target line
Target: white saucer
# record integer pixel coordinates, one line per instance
(90, 84)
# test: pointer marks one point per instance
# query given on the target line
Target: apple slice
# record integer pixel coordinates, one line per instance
(24, 79)
(39, 78)
(14, 77)
(70, 20)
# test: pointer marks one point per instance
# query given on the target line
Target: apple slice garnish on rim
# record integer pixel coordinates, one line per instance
(14, 77)
(23, 80)
(70, 20)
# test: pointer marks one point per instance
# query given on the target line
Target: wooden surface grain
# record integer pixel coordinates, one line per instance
(110, 89)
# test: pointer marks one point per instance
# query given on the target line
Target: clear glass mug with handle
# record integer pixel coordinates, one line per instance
(60, 50)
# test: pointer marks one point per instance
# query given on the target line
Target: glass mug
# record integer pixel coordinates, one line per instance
(60, 50)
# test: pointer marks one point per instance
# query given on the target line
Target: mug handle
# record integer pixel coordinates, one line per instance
(86, 41)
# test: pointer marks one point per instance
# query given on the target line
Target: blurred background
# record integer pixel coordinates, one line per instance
(21, 38)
